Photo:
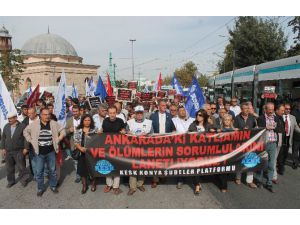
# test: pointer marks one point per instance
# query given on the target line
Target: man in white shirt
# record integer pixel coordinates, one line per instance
(235, 107)
(98, 118)
(138, 126)
(182, 123)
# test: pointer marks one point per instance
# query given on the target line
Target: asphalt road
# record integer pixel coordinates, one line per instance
(164, 196)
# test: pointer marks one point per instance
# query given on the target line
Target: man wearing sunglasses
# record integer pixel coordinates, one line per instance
(214, 113)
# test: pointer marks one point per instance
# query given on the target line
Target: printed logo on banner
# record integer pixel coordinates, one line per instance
(251, 160)
(104, 167)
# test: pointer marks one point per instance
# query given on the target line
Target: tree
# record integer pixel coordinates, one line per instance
(295, 23)
(121, 84)
(186, 73)
(253, 41)
(11, 65)
(167, 80)
(202, 80)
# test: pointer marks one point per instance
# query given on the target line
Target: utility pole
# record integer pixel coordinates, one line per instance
(139, 81)
(115, 71)
(132, 40)
(232, 75)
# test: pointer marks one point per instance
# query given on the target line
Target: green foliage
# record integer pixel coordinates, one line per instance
(11, 65)
(295, 23)
(186, 73)
(202, 80)
(167, 80)
(121, 84)
(253, 41)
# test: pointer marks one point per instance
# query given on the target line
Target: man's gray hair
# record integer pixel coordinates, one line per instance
(103, 106)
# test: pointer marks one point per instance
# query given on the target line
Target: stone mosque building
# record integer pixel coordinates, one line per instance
(46, 56)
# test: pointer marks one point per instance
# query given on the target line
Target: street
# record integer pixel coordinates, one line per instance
(164, 196)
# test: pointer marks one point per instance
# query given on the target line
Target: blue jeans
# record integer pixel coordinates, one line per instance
(32, 158)
(271, 148)
(49, 159)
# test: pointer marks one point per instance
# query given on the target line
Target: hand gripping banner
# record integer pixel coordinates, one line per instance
(189, 154)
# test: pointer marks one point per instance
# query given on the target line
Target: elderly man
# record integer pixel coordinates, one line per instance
(44, 136)
(13, 147)
(269, 121)
(138, 126)
(245, 121)
(162, 123)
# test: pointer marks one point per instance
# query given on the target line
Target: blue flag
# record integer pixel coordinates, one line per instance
(176, 85)
(74, 91)
(100, 89)
(195, 98)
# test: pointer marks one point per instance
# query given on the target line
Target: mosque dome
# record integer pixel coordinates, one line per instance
(48, 44)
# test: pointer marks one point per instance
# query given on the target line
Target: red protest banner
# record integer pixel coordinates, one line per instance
(124, 95)
(110, 100)
(146, 96)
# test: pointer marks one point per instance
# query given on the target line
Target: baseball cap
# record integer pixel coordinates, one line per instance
(139, 108)
(11, 115)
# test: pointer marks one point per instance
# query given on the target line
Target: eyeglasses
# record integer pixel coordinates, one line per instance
(200, 115)
(213, 108)
(287, 108)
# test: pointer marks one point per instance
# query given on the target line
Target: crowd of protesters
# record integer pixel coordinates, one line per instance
(36, 134)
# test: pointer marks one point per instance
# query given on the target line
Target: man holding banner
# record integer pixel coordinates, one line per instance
(162, 123)
(138, 126)
(113, 124)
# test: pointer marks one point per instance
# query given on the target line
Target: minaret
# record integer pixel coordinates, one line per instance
(111, 71)
(5, 40)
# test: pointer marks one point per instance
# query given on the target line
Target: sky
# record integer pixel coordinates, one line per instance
(162, 43)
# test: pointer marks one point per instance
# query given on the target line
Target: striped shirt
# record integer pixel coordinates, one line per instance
(45, 139)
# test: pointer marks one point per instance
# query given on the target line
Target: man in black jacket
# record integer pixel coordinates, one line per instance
(245, 121)
(296, 138)
(281, 137)
(13, 146)
(269, 121)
